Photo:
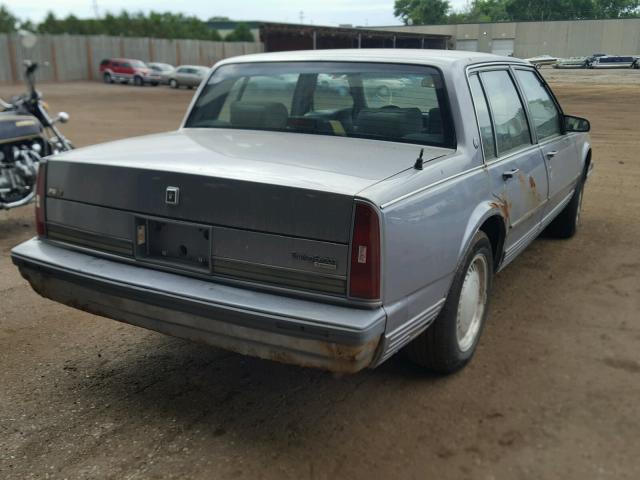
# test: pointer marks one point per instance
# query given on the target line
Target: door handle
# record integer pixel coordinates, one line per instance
(551, 154)
(510, 174)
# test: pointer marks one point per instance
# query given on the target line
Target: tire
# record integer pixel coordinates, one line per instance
(107, 78)
(154, 84)
(173, 83)
(566, 224)
(447, 346)
(138, 81)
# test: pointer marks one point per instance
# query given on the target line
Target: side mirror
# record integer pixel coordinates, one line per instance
(576, 124)
(63, 117)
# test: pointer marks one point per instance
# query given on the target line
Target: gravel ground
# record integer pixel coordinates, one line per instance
(552, 392)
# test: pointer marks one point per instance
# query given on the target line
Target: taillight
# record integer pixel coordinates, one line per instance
(364, 279)
(41, 180)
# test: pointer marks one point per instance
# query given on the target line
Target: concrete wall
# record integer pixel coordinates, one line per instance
(77, 57)
(562, 39)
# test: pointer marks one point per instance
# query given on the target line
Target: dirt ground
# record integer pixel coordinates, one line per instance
(553, 392)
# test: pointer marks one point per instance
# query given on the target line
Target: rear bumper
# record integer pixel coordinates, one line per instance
(264, 325)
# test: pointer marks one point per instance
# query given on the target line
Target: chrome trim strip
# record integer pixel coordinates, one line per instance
(552, 214)
(86, 238)
(395, 340)
(431, 185)
(279, 276)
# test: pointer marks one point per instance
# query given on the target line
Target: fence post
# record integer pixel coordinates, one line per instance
(151, 52)
(87, 43)
(121, 46)
(178, 55)
(54, 58)
(12, 58)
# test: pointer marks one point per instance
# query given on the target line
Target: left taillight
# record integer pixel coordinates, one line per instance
(364, 275)
(41, 181)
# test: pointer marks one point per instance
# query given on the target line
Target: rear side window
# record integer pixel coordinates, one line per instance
(484, 119)
(509, 118)
(542, 108)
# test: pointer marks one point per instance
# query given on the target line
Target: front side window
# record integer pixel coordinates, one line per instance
(542, 108)
(509, 118)
(399, 103)
(484, 119)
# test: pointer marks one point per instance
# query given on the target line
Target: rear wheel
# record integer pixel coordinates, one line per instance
(173, 83)
(567, 222)
(448, 345)
(138, 82)
(107, 78)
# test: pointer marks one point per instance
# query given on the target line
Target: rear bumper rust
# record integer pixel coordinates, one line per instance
(218, 315)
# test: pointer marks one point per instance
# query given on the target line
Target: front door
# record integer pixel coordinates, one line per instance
(557, 148)
(518, 173)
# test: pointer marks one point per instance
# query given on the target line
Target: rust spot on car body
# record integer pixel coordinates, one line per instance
(501, 203)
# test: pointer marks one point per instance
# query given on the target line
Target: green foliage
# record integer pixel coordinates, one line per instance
(428, 12)
(242, 33)
(7, 20)
(155, 24)
(421, 11)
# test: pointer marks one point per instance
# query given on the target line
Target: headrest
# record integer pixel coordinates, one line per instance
(389, 122)
(264, 115)
(435, 121)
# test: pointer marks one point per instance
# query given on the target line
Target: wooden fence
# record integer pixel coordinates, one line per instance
(77, 57)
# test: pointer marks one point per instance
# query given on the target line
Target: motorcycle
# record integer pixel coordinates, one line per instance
(27, 134)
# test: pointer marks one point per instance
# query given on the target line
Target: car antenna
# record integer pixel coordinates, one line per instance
(419, 161)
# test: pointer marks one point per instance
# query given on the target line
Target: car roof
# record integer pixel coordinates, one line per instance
(438, 58)
(118, 59)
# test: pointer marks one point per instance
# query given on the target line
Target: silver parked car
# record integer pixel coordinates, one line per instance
(323, 208)
(188, 76)
(164, 70)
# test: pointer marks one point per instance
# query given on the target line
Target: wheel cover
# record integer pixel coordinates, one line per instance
(472, 303)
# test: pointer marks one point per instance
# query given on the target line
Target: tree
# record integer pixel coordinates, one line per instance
(616, 8)
(422, 12)
(242, 33)
(7, 20)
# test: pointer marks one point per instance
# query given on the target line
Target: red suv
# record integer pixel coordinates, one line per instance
(125, 70)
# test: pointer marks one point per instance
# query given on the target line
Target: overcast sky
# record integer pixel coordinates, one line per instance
(319, 12)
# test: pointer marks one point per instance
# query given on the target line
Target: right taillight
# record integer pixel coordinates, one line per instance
(41, 181)
(364, 277)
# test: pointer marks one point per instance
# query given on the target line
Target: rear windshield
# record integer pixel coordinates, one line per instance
(397, 103)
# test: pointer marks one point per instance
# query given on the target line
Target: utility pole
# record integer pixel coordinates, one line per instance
(301, 15)
(96, 12)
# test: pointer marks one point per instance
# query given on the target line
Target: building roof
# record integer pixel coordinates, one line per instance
(386, 55)
(283, 26)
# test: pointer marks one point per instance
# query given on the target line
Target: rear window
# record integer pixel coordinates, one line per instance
(376, 101)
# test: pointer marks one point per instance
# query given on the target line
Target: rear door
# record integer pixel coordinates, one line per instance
(517, 170)
(558, 149)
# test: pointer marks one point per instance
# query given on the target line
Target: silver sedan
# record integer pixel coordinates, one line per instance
(188, 76)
